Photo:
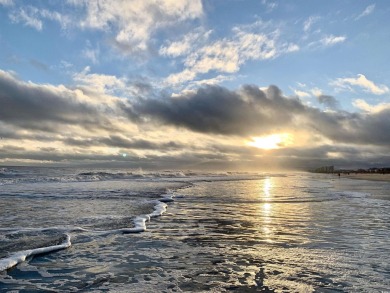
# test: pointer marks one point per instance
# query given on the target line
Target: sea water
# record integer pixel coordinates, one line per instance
(69, 230)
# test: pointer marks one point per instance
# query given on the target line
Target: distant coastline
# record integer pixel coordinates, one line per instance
(368, 176)
(375, 174)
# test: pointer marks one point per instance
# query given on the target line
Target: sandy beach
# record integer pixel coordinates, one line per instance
(366, 176)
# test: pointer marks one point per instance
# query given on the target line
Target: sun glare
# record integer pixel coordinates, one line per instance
(270, 142)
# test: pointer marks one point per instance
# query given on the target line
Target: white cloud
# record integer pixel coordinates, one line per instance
(369, 9)
(100, 83)
(327, 41)
(108, 89)
(33, 17)
(91, 54)
(332, 40)
(180, 77)
(301, 94)
(226, 55)
(6, 2)
(291, 48)
(212, 81)
(134, 22)
(363, 105)
(316, 91)
(309, 22)
(183, 47)
(362, 82)
(63, 20)
(270, 5)
(29, 17)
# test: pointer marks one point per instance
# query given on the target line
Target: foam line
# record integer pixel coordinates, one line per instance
(66, 229)
(140, 221)
(18, 257)
(168, 197)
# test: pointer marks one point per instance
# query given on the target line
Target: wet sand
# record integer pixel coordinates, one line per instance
(364, 176)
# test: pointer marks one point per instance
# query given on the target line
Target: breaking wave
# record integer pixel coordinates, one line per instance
(59, 238)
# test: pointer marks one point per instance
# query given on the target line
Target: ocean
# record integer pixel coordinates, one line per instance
(115, 230)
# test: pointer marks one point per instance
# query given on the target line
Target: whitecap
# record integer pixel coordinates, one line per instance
(18, 257)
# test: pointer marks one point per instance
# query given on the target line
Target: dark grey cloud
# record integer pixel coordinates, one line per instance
(34, 106)
(121, 142)
(187, 160)
(251, 111)
(328, 101)
(214, 109)
(41, 113)
(353, 128)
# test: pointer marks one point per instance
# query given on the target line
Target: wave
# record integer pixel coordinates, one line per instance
(140, 221)
(6, 172)
(139, 226)
(10, 176)
(21, 256)
(352, 194)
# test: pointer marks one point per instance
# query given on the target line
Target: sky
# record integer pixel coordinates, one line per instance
(246, 85)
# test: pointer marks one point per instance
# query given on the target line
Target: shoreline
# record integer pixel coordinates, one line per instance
(367, 176)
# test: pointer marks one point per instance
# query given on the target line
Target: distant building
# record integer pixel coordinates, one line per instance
(324, 169)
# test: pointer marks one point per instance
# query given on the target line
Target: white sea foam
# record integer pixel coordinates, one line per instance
(17, 176)
(54, 228)
(140, 221)
(353, 194)
(159, 209)
(167, 197)
(18, 257)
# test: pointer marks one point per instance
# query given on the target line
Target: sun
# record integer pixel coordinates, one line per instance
(269, 142)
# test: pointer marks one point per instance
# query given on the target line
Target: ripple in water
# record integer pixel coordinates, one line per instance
(283, 233)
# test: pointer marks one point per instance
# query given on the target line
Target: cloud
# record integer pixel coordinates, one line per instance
(352, 128)
(301, 94)
(225, 55)
(363, 105)
(122, 142)
(362, 82)
(129, 24)
(316, 91)
(211, 81)
(27, 16)
(250, 111)
(209, 125)
(33, 17)
(214, 109)
(184, 46)
(328, 101)
(332, 40)
(327, 41)
(7, 2)
(91, 54)
(309, 22)
(369, 9)
(101, 82)
(34, 106)
(134, 22)
(270, 5)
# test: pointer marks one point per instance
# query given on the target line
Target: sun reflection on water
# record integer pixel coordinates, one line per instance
(267, 188)
(266, 210)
